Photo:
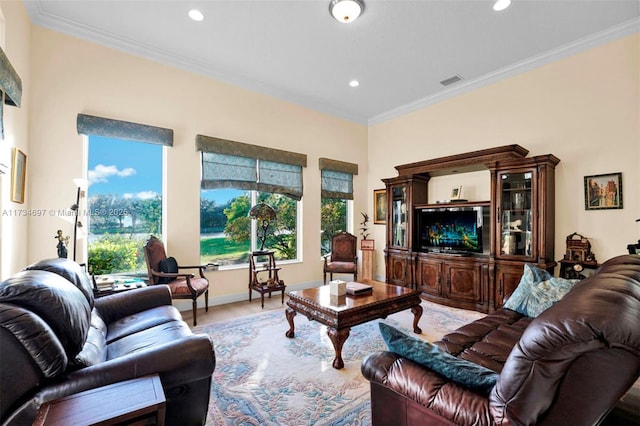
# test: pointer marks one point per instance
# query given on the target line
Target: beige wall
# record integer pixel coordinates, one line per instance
(583, 109)
(14, 228)
(71, 76)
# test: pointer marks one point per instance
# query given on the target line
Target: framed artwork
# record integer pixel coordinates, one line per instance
(379, 206)
(603, 192)
(18, 175)
(456, 193)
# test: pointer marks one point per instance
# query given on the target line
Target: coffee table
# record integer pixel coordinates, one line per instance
(340, 313)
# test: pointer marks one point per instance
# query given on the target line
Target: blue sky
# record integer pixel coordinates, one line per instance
(133, 169)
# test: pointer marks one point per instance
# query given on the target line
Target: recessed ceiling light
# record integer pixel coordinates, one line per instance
(196, 15)
(501, 5)
(354, 83)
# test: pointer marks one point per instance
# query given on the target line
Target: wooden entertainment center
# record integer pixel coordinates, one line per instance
(514, 227)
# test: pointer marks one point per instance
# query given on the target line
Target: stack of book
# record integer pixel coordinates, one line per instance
(355, 289)
(104, 282)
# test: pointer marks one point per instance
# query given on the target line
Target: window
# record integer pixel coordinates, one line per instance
(124, 196)
(227, 233)
(337, 193)
(235, 177)
(124, 203)
(333, 219)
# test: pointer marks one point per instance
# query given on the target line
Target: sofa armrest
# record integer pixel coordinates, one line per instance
(179, 362)
(423, 386)
(115, 306)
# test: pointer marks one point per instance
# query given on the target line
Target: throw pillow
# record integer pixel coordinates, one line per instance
(169, 266)
(461, 371)
(537, 291)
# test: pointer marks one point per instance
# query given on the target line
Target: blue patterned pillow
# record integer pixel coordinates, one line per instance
(461, 371)
(537, 291)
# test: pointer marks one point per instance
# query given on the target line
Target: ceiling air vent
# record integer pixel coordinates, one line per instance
(449, 81)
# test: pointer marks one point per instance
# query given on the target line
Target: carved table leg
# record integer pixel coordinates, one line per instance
(338, 337)
(417, 313)
(290, 313)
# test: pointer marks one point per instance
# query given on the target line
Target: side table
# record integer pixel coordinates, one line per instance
(136, 401)
(263, 275)
(105, 285)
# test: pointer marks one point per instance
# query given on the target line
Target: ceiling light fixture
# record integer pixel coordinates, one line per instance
(354, 83)
(346, 11)
(196, 15)
(501, 5)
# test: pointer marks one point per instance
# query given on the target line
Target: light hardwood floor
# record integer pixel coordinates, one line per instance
(235, 310)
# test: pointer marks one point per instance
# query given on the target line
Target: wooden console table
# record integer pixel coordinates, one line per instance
(263, 275)
(137, 401)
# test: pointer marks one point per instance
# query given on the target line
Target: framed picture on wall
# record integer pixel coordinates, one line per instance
(603, 191)
(18, 175)
(379, 206)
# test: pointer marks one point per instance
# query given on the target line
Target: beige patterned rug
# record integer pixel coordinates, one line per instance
(264, 378)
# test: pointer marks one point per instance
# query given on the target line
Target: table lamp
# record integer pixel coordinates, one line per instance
(265, 214)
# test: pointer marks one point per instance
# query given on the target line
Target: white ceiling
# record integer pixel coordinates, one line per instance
(399, 50)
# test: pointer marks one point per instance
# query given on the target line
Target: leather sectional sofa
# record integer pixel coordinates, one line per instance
(56, 340)
(570, 365)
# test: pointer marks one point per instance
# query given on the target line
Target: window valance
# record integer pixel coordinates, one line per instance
(108, 127)
(337, 178)
(231, 164)
(10, 87)
(241, 149)
(10, 82)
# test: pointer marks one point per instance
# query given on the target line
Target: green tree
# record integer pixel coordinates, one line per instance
(101, 221)
(212, 217)
(282, 231)
(150, 213)
(333, 219)
(238, 227)
(282, 235)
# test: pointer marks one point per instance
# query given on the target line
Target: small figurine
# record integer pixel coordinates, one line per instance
(515, 225)
(62, 244)
(364, 230)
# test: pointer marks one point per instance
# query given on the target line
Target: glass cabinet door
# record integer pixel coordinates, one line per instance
(516, 214)
(399, 216)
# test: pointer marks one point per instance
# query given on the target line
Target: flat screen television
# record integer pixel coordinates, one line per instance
(454, 230)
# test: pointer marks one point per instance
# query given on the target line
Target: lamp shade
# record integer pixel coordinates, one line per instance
(262, 211)
(346, 11)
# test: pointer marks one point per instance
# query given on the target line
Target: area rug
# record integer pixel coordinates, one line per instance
(264, 378)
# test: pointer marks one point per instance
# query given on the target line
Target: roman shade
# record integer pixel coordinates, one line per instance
(231, 164)
(10, 87)
(337, 178)
(110, 128)
(10, 83)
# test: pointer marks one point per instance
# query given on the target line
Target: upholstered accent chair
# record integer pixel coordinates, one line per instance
(343, 258)
(163, 270)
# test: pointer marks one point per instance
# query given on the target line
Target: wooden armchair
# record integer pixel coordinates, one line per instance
(182, 285)
(343, 258)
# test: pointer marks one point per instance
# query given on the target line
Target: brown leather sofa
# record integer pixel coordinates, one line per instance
(56, 340)
(569, 366)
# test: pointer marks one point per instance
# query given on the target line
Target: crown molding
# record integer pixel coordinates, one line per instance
(41, 17)
(622, 30)
(107, 39)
